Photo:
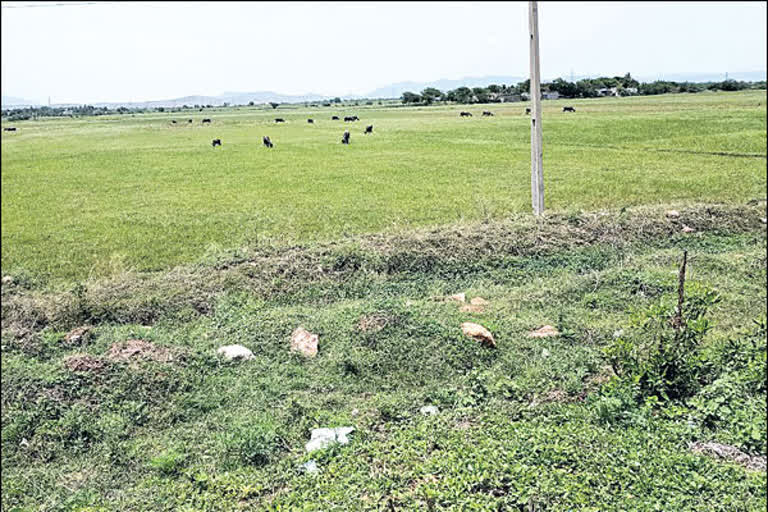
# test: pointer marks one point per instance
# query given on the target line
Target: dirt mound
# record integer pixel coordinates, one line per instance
(373, 323)
(84, 363)
(78, 335)
(730, 453)
(135, 350)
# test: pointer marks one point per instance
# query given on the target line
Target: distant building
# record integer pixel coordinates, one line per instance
(509, 98)
(550, 95)
(615, 91)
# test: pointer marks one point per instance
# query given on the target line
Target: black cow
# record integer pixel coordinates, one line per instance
(528, 110)
(201, 110)
(206, 120)
(335, 118)
(345, 137)
(279, 120)
(189, 121)
(465, 114)
(311, 121)
(9, 129)
(215, 142)
(173, 121)
(368, 129)
(487, 113)
(267, 142)
(569, 109)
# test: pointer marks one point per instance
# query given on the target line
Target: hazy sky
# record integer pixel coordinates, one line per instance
(80, 52)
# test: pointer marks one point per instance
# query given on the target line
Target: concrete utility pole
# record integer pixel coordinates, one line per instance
(537, 171)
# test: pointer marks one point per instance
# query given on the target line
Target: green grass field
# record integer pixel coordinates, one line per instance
(142, 231)
(95, 196)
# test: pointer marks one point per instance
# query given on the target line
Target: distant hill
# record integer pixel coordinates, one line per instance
(394, 90)
(13, 101)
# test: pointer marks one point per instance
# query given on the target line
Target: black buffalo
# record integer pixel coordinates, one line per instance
(206, 120)
(267, 142)
(487, 113)
(345, 137)
(569, 109)
(173, 121)
(279, 120)
(335, 118)
(311, 121)
(465, 114)
(9, 129)
(215, 142)
(189, 121)
(351, 118)
(368, 129)
(527, 110)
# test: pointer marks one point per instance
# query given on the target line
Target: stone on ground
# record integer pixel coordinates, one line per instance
(325, 437)
(310, 467)
(77, 335)
(479, 333)
(304, 342)
(479, 301)
(429, 410)
(232, 352)
(544, 332)
(458, 297)
(673, 214)
(688, 229)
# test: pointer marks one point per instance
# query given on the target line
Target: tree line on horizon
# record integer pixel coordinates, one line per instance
(585, 88)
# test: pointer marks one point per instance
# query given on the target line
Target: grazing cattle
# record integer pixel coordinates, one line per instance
(311, 121)
(465, 114)
(9, 129)
(345, 137)
(487, 113)
(189, 121)
(279, 120)
(173, 121)
(528, 110)
(206, 120)
(368, 129)
(201, 110)
(569, 109)
(267, 142)
(215, 142)
(335, 118)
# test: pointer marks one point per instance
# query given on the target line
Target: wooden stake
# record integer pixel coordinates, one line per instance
(537, 171)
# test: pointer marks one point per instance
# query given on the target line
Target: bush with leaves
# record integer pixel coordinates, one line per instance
(661, 352)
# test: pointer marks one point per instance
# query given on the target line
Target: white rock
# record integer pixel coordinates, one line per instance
(310, 467)
(231, 352)
(545, 353)
(618, 333)
(324, 437)
(429, 410)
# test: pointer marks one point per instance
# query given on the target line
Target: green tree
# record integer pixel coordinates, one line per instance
(431, 94)
(564, 88)
(410, 97)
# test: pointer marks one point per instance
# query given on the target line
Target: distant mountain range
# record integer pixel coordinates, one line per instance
(390, 91)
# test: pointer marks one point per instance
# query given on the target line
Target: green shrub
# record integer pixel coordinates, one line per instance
(168, 462)
(252, 442)
(662, 360)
